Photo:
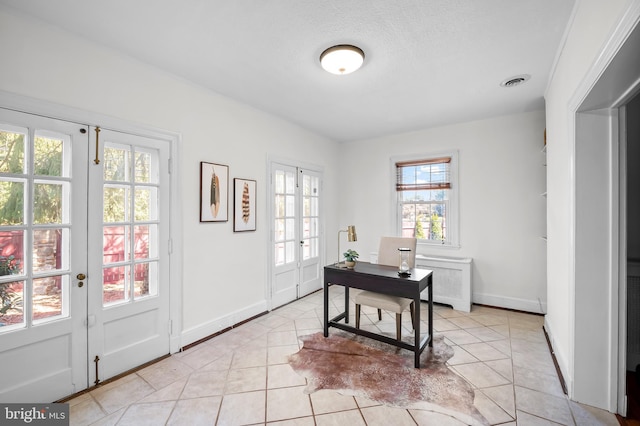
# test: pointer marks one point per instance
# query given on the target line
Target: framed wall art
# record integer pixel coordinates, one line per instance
(244, 205)
(214, 192)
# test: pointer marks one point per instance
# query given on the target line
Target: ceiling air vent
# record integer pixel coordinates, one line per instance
(515, 81)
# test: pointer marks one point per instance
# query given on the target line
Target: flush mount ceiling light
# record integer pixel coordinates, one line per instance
(515, 81)
(342, 59)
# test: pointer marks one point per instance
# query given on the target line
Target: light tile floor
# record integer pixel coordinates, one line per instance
(242, 377)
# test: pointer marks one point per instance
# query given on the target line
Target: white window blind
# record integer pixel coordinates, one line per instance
(423, 188)
(431, 174)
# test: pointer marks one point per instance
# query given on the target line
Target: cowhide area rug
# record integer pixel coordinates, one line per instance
(357, 366)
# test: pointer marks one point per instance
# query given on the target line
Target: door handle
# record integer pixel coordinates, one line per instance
(81, 276)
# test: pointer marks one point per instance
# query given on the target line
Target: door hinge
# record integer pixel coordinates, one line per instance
(170, 164)
(170, 245)
(170, 327)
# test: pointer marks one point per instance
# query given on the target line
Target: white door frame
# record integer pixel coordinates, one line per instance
(270, 208)
(596, 105)
(621, 390)
(62, 112)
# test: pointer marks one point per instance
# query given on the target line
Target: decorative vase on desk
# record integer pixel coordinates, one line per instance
(350, 257)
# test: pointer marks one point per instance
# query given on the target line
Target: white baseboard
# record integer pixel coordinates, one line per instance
(526, 305)
(209, 328)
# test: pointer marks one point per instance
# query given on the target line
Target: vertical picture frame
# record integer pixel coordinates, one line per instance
(214, 192)
(244, 205)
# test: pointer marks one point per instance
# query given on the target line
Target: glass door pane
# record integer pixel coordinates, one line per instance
(284, 216)
(130, 223)
(35, 181)
(310, 216)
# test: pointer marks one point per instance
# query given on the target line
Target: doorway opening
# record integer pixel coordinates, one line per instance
(632, 233)
(600, 220)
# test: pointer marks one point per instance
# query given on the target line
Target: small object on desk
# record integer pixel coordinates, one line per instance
(344, 265)
(351, 236)
(404, 260)
(350, 258)
(404, 274)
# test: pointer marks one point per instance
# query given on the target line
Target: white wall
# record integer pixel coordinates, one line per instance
(502, 211)
(224, 274)
(593, 26)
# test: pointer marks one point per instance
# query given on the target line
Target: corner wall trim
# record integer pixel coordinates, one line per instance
(555, 362)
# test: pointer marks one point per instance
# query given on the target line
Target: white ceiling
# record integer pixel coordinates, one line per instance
(428, 62)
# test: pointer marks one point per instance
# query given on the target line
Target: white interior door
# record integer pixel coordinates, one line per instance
(129, 234)
(43, 246)
(297, 236)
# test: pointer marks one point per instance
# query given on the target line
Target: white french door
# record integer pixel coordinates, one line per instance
(296, 233)
(128, 265)
(311, 241)
(84, 287)
(43, 246)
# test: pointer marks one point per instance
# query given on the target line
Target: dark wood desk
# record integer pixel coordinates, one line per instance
(381, 279)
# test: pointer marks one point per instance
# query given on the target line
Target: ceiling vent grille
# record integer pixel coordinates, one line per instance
(515, 81)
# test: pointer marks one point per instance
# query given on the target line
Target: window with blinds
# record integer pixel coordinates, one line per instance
(423, 189)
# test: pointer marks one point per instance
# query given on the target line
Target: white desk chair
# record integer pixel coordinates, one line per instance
(388, 254)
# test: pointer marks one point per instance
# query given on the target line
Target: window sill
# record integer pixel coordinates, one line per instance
(439, 245)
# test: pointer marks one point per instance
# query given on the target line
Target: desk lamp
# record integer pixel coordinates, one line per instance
(351, 236)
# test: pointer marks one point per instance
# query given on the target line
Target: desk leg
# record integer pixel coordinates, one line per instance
(326, 309)
(346, 305)
(430, 293)
(416, 329)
